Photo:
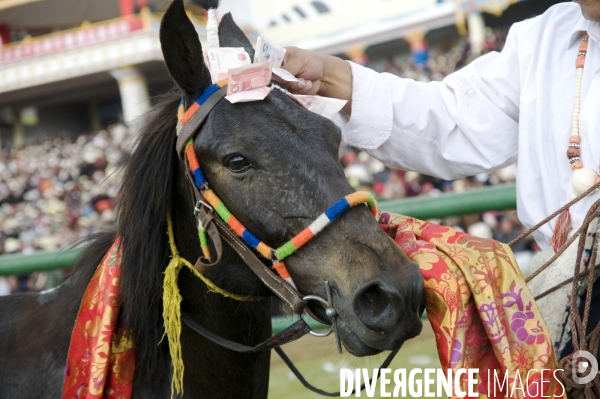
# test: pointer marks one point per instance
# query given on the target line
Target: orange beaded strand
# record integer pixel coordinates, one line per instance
(573, 152)
(582, 178)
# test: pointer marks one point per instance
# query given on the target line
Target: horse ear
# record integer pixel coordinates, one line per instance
(183, 52)
(230, 35)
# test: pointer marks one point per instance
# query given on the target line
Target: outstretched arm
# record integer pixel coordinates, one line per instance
(465, 125)
(319, 74)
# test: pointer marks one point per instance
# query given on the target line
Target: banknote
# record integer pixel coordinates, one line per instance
(249, 77)
(206, 60)
(258, 94)
(283, 75)
(221, 60)
(324, 106)
(267, 49)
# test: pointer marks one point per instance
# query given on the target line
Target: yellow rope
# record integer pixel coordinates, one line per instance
(172, 310)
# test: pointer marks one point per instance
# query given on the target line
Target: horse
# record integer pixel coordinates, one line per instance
(275, 164)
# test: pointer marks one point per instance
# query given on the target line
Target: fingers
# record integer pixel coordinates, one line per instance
(293, 62)
(305, 87)
(306, 67)
(301, 87)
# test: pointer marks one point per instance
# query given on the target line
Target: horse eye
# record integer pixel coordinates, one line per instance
(237, 164)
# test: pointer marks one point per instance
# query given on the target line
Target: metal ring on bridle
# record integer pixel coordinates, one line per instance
(328, 310)
(198, 212)
(197, 209)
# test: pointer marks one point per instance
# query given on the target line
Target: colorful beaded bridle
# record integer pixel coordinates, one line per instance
(276, 256)
(245, 243)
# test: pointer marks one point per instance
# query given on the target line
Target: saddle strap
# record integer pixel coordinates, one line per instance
(292, 333)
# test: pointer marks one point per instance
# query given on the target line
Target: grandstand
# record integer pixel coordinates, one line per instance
(71, 66)
(77, 77)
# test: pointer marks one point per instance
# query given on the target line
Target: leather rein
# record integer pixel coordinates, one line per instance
(217, 229)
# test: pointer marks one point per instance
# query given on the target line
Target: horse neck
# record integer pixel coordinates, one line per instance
(211, 369)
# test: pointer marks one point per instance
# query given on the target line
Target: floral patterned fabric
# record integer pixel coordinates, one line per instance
(479, 306)
(101, 359)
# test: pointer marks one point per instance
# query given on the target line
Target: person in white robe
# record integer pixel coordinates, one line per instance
(515, 106)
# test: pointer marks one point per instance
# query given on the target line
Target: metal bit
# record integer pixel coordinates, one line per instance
(332, 314)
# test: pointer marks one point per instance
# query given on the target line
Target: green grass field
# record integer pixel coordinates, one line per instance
(319, 362)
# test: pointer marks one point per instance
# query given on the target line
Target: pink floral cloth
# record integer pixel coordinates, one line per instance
(480, 308)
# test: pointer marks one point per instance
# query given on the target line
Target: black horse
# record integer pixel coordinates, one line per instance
(291, 174)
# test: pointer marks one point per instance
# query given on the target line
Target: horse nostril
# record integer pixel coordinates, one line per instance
(375, 308)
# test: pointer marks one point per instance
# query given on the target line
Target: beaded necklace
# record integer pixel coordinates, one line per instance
(583, 178)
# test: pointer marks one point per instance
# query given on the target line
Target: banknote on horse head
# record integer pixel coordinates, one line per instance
(275, 165)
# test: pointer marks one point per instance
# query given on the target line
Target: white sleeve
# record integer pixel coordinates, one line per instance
(465, 125)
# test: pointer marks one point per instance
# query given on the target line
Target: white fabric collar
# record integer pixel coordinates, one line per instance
(583, 25)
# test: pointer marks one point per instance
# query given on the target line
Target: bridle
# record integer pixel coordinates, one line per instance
(226, 226)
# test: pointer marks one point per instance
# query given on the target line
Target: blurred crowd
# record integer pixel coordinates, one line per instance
(57, 190)
(366, 173)
(442, 60)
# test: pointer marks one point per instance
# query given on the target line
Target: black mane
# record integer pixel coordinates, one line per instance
(145, 198)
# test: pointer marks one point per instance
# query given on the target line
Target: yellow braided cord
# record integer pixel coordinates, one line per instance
(172, 321)
(172, 310)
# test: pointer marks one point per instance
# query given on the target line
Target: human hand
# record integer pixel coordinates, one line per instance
(307, 67)
(319, 74)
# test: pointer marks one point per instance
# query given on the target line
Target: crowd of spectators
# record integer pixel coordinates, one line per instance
(366, 173)
(443, 60)
(57, 190)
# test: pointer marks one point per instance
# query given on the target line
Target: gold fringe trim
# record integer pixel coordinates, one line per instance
(172, 310)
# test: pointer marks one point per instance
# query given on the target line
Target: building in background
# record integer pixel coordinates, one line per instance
(71, 66)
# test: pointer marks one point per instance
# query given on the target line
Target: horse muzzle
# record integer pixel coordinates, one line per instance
(378, 317)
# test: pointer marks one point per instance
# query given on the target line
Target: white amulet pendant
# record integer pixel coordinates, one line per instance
(582, 180)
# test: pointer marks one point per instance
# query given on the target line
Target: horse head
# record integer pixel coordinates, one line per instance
(275, 165)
